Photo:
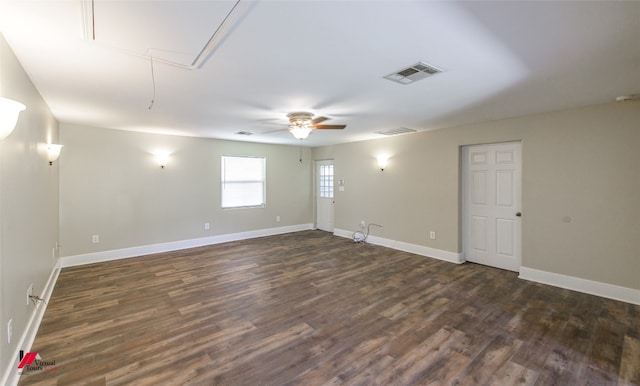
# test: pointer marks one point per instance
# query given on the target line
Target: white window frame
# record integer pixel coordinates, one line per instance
(227, 182)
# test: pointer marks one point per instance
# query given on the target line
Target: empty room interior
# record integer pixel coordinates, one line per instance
(239, 192)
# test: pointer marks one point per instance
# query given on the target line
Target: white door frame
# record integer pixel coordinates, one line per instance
(517, 233)
(316, 189)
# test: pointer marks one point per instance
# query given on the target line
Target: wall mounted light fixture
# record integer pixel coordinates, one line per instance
(383, 160)
(9, 111)
(162, 158)
(53, 152)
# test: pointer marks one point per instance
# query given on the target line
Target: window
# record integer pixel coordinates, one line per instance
(326, 181)
(243, 182)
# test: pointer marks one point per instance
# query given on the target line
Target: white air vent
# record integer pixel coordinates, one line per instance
(399, 130)
(410, 74)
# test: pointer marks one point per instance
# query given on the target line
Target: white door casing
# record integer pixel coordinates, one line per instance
(324, 195)
(492, 204)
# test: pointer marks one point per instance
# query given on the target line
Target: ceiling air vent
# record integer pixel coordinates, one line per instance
(410, 74)
(399, 130)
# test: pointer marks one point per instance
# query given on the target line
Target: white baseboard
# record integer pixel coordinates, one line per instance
(116, 254)
(610, 291)
(604, 290)
(452, 257)
(12, 376)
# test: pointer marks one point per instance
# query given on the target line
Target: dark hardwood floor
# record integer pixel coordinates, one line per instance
(309, 308)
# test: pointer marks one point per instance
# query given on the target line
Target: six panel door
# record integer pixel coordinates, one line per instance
(492, 204)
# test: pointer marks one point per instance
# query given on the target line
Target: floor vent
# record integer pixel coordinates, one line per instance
(399, 130)
(410, 74)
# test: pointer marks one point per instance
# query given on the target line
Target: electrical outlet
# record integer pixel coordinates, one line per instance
(95, 239)
(207, 226)
(277, 218)
(432, 235)
(29, 293)
(9, 330)
(362, 224)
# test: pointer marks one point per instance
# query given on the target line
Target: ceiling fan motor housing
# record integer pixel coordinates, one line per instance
(300, 118)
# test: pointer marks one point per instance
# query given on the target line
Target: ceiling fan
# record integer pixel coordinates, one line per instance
(302, 123)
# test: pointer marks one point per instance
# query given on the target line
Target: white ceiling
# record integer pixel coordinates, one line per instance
(500, 59)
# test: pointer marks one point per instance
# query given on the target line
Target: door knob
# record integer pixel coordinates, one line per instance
(519, 214)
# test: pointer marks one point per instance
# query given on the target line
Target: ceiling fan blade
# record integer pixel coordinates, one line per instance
(315, 121)
(272, 131)
(329, 127)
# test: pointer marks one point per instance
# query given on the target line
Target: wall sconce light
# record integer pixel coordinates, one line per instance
(9, 111)
(383, 160)
(53, 152)
(162, 158)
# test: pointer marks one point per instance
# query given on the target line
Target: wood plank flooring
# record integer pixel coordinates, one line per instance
(309, 308)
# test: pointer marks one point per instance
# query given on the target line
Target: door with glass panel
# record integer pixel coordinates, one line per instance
(324, 195)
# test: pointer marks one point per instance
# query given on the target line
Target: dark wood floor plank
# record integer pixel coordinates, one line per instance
(418, 364)
(605, 353)
(309, 308)
(490, 360)
(629, 369)
(514, 374)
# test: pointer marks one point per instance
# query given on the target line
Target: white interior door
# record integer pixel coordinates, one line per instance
(324, 195)
(492, 204)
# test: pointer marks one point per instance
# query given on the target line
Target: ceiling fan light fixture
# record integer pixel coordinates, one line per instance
(300, 131)
(302, 122)
(300, 118)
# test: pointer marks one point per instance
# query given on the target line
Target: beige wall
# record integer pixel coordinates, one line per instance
(582, 163)
(28, 204)
(111, 186)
